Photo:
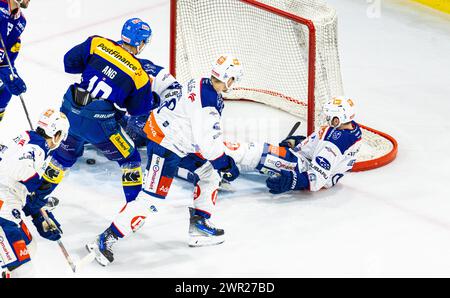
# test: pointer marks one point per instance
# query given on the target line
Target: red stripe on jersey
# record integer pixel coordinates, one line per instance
(24, 228)
(25, 181)
(199, 155)
(20, 248)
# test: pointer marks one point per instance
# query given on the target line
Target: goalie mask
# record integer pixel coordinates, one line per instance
(227, 67)
(52, 122)
(341, 108)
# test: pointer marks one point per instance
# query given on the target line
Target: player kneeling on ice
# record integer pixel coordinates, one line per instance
(301, 163)
(22, 163)
(188, 129)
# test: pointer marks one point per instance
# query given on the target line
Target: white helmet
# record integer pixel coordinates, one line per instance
(52, 122)
(227, 66)
(341, 108)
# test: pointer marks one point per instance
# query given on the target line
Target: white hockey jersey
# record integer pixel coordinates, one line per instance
(22, 164)
(190, 124)
(327, 154)
(161, 79)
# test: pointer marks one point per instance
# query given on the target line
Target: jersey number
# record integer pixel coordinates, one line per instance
(10, 27)
(95, 87)
(170, 104)
(336, 178)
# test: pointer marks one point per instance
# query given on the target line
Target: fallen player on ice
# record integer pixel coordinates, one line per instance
(297, 163)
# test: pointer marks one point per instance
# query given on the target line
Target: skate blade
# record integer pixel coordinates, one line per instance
(99, 257)
(200, 241)
(87, 259)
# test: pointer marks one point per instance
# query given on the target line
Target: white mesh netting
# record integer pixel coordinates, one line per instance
(274, 52)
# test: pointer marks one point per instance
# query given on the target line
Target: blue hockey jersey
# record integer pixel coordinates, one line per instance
(111, 73)
(12, 25)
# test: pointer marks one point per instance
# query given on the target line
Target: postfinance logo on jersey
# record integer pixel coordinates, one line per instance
(119, 57)
(116, 54)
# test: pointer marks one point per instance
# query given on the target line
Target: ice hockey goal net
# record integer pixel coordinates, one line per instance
(289, 51)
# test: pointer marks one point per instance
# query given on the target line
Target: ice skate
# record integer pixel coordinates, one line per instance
(202, 232)
(102, 247)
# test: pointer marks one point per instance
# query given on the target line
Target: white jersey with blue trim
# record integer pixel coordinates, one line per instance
(327, 154)
(191, 124)
(22, 164)
(160, 78)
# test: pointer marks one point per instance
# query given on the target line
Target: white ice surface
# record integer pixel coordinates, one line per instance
(393, 221)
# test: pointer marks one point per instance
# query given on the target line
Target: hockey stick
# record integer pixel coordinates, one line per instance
(87, 259)
(294, 128)
(76, 265)
(61, 245)
(14, 75)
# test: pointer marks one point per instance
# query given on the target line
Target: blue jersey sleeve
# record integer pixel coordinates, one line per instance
(150, 68)
(210, 97)
(75, 60)
(140, 102)
(344, 139)
(4, 17)
(32, 183)
(11, 28)
(4, 12)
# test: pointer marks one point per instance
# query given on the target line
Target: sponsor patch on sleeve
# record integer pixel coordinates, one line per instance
(323, 163)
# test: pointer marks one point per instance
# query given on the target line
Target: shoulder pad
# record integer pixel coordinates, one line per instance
(344, 139)
(98, 36)
(209, 96)
(150, 68)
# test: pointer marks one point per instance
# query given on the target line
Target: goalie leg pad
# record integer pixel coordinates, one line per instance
(246, 155)
(274, 159)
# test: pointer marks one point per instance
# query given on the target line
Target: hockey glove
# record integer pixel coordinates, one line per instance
(231, 172)
(51, 230)
(288, 181)
(38, 199)
(292, 141)
(134, 127)
(14, 84)
(226, 165)
(34, 204)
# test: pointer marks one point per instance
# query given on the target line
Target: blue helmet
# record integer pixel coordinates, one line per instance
(135, 31)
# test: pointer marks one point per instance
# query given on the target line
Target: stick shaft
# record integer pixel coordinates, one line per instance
(11, 68)
(294, 128)
(61, 245)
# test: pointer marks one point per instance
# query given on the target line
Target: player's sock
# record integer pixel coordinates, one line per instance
(2, 113)
(5, 274)
(102, 246)
(202, 232)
